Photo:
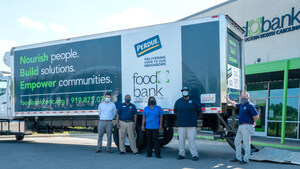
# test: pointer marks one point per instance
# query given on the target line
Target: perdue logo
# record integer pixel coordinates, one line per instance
(147, 46)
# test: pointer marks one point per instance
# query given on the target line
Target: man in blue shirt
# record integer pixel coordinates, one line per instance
(247, 118)
(187, 109)
(126, 122)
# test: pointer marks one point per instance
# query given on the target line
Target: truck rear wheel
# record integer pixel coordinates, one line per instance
(168, 136)
(19, 137)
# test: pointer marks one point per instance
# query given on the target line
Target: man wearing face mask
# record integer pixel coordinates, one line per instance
(247, 118)
(126, 123)
(107, 111)
(187, 109)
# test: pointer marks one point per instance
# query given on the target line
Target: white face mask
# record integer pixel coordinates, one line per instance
(185, 93)
(107, 99)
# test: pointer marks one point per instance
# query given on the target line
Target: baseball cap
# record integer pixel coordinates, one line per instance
(185, 88)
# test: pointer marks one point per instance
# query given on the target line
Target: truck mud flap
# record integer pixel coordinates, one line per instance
(276, 155)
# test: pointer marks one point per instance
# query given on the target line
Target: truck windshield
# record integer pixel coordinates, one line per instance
(2, 87)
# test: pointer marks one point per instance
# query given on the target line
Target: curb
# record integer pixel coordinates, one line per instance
(253, 142)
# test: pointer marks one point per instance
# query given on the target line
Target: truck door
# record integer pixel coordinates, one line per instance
(3, 98)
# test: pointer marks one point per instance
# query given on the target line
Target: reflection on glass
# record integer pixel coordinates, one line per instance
(293, 88)
(2, 87)
(257, 90)
(276, 88)
(274, 129)
(275, 109)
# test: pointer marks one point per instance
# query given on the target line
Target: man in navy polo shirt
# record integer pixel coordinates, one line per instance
(247, 118)
(187, 109)
(126, 122)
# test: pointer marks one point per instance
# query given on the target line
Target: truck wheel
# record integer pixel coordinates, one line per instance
(168, 136)
(139, 137)
(19, 137)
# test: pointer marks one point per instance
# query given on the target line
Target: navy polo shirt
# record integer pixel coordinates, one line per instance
(127, 112)
(152, 116)
(186, 112)
(246, 112)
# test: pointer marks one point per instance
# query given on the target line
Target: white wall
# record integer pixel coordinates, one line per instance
(277, 47)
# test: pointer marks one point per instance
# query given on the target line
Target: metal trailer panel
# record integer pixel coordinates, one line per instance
(201, 62)
(276, 155)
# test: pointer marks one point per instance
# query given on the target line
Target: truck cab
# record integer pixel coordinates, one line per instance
(5, 96)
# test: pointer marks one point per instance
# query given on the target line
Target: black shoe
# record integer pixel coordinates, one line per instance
(195, 158)
(180, 157)
(243, 162)
(122, 152)
(135, 153)
(149, 155)
(235, 160)
(158, 156)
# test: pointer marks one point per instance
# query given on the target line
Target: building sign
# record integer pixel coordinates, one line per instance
(262, 27)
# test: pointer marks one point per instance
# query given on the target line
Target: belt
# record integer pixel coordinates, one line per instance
(246, 124)
(105, 120)
(127, 121)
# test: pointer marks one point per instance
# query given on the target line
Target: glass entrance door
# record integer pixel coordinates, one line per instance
(262, 104)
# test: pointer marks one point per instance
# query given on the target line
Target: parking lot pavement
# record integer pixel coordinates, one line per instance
(78, 151)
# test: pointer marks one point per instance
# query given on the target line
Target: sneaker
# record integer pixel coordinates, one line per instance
(235, 160)
(149, 155)
(243, 162)
(122, 152)
(158, 156)
(135, 153)
(98, 151)
(195, 158)
(180, 157)
(109, 151)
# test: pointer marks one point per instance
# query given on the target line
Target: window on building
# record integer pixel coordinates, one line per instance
(274, 129)
(258, 90)
(275, 109)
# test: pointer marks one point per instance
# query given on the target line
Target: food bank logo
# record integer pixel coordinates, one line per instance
(150, 84)
(262, 27)
(254, 27)
(147, 46)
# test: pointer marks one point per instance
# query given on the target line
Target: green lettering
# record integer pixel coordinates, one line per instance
(232, 43)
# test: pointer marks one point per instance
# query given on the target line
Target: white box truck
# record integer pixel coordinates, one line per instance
(59, 84)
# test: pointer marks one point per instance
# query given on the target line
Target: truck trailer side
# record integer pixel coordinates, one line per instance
(59, 84)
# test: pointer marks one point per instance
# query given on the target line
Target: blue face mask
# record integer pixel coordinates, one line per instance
(107, 99)
(127, 100)
(185, 93)
(244, 100)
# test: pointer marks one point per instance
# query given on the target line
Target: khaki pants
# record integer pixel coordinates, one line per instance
(191, 133)
(127, 128)
(243, 134)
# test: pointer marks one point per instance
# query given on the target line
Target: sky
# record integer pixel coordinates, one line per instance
(25, 22)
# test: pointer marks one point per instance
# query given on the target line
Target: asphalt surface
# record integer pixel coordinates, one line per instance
(78, 151)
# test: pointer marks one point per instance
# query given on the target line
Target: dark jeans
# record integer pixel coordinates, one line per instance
(152, 136)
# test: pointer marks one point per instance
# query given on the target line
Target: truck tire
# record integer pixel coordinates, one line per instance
(168, 136)
(139, 136)
(19, 137)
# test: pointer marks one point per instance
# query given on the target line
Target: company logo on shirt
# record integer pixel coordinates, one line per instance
(261, 27)
(147, 46)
